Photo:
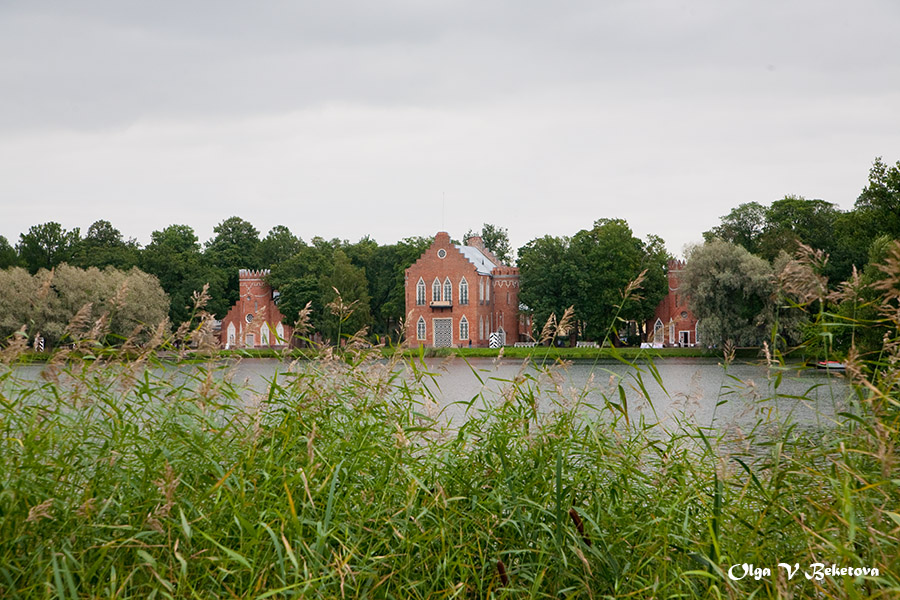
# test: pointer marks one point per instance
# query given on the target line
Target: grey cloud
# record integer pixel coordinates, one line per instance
(89, 65)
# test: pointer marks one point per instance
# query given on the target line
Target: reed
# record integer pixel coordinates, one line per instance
(146, 479)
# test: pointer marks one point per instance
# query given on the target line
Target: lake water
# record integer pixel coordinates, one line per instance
(694, 391)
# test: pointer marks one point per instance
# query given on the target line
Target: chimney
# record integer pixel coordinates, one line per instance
(475, 241)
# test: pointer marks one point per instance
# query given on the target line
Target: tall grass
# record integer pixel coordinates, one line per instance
(144, 480)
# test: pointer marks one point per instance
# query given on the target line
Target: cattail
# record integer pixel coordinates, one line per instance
(501, 569)
(579, 525)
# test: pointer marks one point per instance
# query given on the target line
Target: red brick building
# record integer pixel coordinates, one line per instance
(255, 321)
(460, 295)
(673, 324)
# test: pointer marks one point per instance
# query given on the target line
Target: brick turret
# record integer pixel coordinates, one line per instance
(254, 321)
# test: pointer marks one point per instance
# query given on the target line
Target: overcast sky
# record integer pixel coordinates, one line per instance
(348, 118)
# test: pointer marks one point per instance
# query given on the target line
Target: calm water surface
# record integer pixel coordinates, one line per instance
(694, 391)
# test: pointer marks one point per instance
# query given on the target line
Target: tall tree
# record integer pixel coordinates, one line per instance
(311, 276)
(278, 246)
(607, 259)
(8, 255)
(795, 220)
(742, 226)
(731, 292)
(385, 269)
(103, 245)
(173, 255)
(880, 199)
(548, 278)
(48, 302)
(496, 239)
(234, 246)
(47, 245)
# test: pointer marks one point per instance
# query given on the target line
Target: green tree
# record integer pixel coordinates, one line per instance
(385, 269)
(607, 259)
(731, 292)
(496, 239)
(348, 281)
(548, 278)
(103, 245)
(47, 245)
(311, 276)
(742, 226)
(106, 305)
(278, 246)
(8, 255)
(880, 200)
(234, 246)
(173, 256)
(794, 220)
(21, 297)
(655, 285)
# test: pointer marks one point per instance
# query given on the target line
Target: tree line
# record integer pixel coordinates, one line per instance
(732, 279)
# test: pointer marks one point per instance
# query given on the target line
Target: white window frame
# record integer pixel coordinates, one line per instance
(463, 292)
(421, 329)
(420, 292)
(436, 290)
(659, 335)
(464, 328)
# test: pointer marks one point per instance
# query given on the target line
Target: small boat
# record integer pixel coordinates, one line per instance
(831, 365)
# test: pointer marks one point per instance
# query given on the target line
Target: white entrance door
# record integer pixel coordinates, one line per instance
(685, 338)
(443, 332)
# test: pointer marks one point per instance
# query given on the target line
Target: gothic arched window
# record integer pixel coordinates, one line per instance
(420, 292)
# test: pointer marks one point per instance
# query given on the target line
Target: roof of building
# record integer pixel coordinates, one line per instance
(482, 263)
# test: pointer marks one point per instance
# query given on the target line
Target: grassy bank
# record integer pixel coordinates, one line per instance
(340, 481)
(552, 353)
(538, 353)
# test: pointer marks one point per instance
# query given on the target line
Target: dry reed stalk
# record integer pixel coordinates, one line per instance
(15, 348)
(547, 332)
(79, 322)
(203, 337)
(40, 511)
(801, 277)
(728, 352)
(339, 308)
(302, 324)
(633, 286)
(121, 296)
(565, 323)
(167, 484)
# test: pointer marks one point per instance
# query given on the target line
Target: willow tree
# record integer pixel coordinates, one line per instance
(65, 303)
(731, 292)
